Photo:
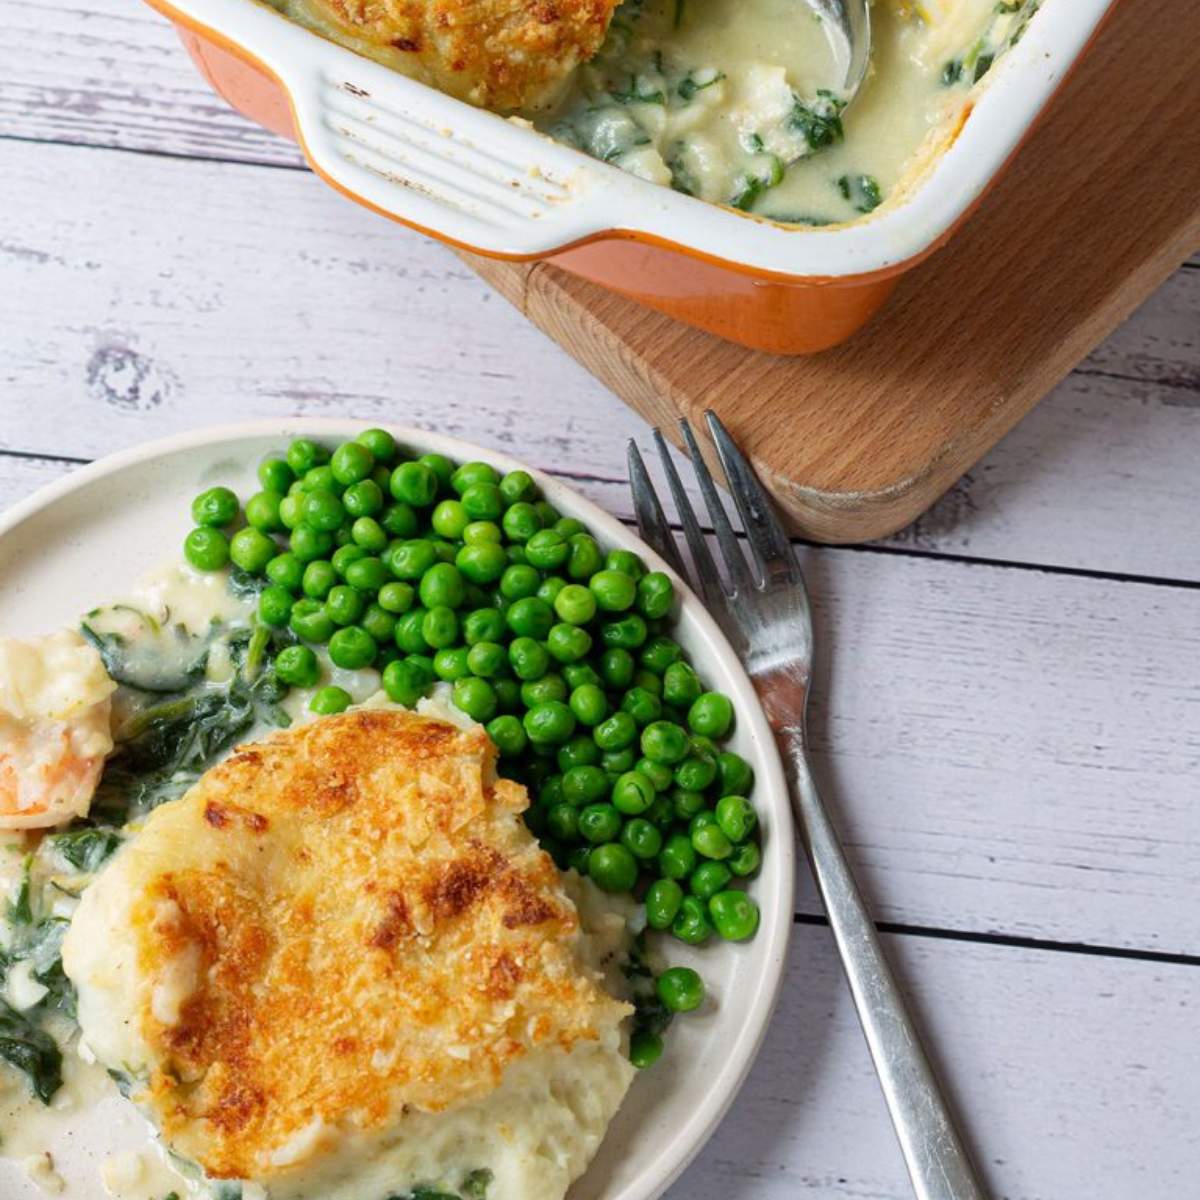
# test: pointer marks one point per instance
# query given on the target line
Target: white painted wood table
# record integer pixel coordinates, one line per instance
(1008, 717)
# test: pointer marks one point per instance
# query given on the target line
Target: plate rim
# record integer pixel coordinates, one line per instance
(687, 1142)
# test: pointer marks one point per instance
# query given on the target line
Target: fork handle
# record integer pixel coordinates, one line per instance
(937, 1161)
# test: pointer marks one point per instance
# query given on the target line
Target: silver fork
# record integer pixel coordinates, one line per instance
(763, 609)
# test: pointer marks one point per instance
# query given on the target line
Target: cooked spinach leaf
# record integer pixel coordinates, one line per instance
(863, 191)
(86, 849)
(819, 122)
(473, 1187)
(31, 1051)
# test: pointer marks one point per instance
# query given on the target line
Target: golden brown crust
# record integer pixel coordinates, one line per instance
(362, 924)
(506, 55)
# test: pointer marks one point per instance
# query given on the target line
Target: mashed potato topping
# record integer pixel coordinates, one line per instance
(341, 962)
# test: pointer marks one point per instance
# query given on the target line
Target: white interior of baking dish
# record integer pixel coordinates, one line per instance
(499, 187)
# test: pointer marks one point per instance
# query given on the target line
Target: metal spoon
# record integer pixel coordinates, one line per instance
(848, 28)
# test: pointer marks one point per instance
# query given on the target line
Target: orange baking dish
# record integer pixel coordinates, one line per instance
(498, 188)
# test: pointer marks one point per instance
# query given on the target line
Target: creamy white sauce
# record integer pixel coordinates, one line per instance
(729, 100)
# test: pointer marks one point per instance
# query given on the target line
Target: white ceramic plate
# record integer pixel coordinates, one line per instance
(87, 538)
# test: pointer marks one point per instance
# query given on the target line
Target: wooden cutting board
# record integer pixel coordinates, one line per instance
(1102, 204)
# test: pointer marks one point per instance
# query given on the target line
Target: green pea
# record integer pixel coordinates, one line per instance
(291, 511)
(352, 648)
(616, 732)
(330, 700)
(368, 535)
(655, 595)
(626, 562)
(569, 527)
(735, 773)
(303, 455)
(482, 562)
(483, 501)
(320, 479)
(215, 508)
(410, 560)
(612, 867)
(617, 762)
(395, 597)
(442, 586)
(409, 636)
(414, 483)
(508, 695)
(628, 633)
(580, 751)
(487, 659)
(509, 735)
(251, 550)
(262, 512)
(734, 914)
(692, 923)
(680, 989)
(599, 823)
(515, 554)
(584, 784)
(344, 604)
(518, 487)
(562, 820)
(379, 623)
(659, 653)
(363, 499)
(547, 512)
(681, 685)
(617, 667)
(632, 794)
(286, 571)
(441, 466)
(645, 1048)
(449, 519)
(549, 724)
(576, 674)
(521, 521)
(661, 814)
(549, 588)
(478, 532)
(678, 857)
(664, 742)
(380, 443)
(307, 543)
(641, 839)
(643, 706)
(319, 579)
(736, 817)
(275, 475)
(367, 574)
(310, 621)
(709, 878)
(351, 463)
(206, 549)
(745, 859)
(709, 840)
(585, 558)
(575, 604)
(711, 715)
(687, 805)
(450, 663)
(520, 582)
(530, 617)
(440, 627)
(343, 556)
(484, 625)
(542, 691)
(476, 697)
(473, 472)
(663, 898)
(550, 793)
(547, 550)
(323, 510)
(296, 666)
(614, 591)
(400, 520)
(568, 643)
(695, 773)
(275, 606)
(659, 774)
(589, 704)
(528, 658)
(404, 681)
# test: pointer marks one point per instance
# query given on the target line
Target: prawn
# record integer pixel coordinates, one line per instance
(55, 713)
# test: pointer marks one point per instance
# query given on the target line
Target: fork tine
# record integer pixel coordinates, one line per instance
(727, 539)
(702, 562)
(652, 522)
(766, 535)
